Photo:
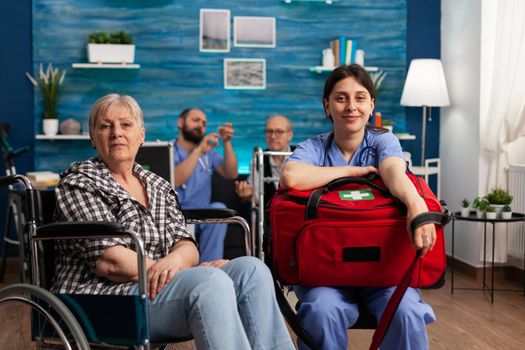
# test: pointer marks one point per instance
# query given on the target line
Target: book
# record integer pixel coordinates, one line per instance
(342, 49)
(334, 44)
(351, 46)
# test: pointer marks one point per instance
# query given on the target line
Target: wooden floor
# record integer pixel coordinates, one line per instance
(465, 320)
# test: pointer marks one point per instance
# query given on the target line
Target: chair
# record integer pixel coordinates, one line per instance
(432, 166)
(78, 320)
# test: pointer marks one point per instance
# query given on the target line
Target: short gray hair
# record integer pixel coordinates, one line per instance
(102, 105)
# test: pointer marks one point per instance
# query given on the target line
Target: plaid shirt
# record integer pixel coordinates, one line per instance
(87, 191)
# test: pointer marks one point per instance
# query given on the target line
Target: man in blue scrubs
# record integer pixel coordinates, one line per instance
(195, 162)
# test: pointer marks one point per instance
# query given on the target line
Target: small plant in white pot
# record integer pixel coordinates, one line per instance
(105, 47)
(498, 198)
(465, 207)
(50, 84)
(506, 212)
(490, 212)
(480, 204)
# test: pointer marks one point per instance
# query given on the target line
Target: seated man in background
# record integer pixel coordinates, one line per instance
(279, 133)
(195, 160)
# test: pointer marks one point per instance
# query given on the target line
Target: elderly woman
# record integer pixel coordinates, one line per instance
(228, 305)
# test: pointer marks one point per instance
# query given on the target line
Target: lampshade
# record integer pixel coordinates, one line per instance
(425, 84)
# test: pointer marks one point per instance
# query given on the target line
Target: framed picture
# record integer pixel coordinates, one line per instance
(254, 31)
(244, 73)
(214, 33)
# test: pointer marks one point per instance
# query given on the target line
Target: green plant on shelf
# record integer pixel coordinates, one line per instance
(120, 37)
(465, 203)
(490, 209)
(499, 196)
(377, 78)
(507, 209)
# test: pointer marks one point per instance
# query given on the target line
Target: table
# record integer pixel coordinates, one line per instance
(516, 217)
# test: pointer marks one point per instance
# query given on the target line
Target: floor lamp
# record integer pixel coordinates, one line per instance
(425, 86)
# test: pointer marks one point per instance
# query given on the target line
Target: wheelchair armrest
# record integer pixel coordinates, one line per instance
(210, 213)
(81, 228)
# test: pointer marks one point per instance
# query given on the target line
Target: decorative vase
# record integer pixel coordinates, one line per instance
(465, 212)
(490, 215)
(50, 126)
(111, 53)
(499, 209)
(479, 213)
(506, 215)
(389, 127)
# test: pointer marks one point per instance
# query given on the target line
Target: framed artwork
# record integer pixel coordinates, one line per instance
(214, 31)
(254, 31)
(244, 73)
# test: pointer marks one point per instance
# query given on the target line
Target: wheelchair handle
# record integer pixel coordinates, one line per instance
(7, 180)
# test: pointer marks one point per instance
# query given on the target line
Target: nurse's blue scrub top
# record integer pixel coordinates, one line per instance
(196, 191)
(323, 151)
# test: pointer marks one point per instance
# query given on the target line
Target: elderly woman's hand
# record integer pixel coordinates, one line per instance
(161, 273)
(215, 263)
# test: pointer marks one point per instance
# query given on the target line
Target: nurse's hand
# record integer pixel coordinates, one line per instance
(359, 171)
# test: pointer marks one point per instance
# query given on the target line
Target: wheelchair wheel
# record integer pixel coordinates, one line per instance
(49, 321)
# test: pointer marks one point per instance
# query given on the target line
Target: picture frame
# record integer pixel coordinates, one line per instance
(254, 31)
(214, 30)
(245, 73)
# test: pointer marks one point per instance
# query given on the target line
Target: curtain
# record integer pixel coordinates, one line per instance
(505, 118)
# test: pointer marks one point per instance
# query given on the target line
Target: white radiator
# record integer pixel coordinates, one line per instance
(516, 230)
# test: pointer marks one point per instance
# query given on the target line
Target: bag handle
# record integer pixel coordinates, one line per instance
(386, 318)
(315, 197)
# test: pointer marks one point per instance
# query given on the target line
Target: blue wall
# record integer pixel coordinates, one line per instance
(174, 75)
(16, 93)
(16, 101)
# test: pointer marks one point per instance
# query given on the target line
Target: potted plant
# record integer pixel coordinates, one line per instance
(490, 212)
(506, 212)
(480, 204)
(499, 197)
(377, 78)
(388, 124)
(105, 47)
(465, 210)
(49, 83)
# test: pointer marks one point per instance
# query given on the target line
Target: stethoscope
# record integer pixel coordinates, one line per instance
(364, 154)
(205, 164)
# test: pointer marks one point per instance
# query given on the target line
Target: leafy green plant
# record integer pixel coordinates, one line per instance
(507, 208)
(50, 84)
(480, 203)
(499, 196)
(387, 122)
(120, 37)
(377, 78)
(465, 203)
(490, 209)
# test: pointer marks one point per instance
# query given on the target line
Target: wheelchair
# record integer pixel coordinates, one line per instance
(83, 321)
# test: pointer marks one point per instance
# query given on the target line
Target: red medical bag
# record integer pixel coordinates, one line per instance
(351, 232)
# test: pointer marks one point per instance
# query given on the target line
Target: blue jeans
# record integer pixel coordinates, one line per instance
(211, 237)
(327, 313)
(232, 307)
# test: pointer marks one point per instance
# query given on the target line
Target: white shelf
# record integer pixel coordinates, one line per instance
(322, 69)
(329, 2)
(62, 137)
(106, 65)
(405, 136)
